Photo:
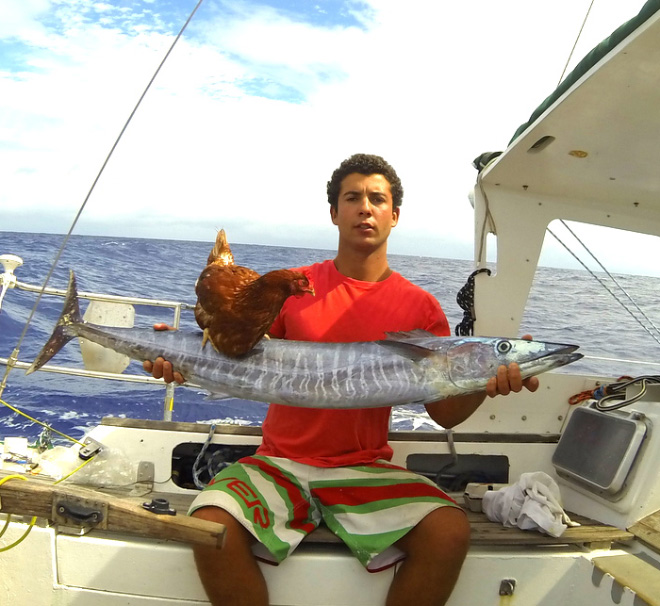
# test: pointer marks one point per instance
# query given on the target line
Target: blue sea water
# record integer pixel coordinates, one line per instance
(564, 306)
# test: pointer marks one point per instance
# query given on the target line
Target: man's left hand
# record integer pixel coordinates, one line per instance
(508, 379)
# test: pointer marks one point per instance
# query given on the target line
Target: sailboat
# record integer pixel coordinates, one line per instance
(587, 155)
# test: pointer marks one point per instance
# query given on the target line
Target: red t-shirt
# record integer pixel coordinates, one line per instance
(342, 311)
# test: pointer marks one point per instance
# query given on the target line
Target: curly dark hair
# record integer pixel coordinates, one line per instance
(364, 164)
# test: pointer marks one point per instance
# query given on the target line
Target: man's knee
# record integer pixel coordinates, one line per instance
(236, 535)
(449, 528)
(229, 575)
(445, 529)
(212, 513)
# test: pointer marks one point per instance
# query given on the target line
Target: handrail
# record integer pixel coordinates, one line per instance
(81, 372)
(177, 306)
(61, 292)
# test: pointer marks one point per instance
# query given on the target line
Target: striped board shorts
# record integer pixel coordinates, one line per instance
(279, 501)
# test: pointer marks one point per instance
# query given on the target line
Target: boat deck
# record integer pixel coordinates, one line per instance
(589, 535)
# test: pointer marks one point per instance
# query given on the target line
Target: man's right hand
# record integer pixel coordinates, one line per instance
(161, 368)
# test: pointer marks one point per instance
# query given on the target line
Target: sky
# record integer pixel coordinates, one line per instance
(261, 100)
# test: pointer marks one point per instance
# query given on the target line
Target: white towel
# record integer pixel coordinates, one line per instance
(533, 502)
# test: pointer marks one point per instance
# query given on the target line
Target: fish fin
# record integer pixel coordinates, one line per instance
(409, 335)
(412, 351)
(413, 344)
(216, 395)
(61, 335)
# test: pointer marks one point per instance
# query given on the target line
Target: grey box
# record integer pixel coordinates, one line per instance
(598, 449)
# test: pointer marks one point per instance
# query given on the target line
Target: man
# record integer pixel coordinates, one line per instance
(334, 465)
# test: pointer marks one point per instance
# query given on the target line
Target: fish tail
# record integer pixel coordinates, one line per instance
(62, 333)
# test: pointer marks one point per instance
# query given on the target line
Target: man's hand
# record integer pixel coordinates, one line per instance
(160, 368)
(508, 379)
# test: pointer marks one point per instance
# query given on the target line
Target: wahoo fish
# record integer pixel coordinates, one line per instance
(404, 368)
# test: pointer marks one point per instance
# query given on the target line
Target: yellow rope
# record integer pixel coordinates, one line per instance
(32, 522)
(40, 423)
(66, 477)
(34, 518)
(16, 476)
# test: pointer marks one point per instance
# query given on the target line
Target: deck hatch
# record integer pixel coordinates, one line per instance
(598, 449)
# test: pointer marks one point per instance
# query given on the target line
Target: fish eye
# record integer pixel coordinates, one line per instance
(503, 347)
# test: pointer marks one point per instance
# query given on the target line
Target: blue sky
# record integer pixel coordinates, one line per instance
(260, 101)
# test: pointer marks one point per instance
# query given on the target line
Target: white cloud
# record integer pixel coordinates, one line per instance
(426, 84)
(21, 18)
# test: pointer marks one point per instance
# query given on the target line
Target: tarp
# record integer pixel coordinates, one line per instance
(595, 55)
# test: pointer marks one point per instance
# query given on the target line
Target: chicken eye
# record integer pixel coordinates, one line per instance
(503, 347)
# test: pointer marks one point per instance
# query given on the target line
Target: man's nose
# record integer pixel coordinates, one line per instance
(365, 205)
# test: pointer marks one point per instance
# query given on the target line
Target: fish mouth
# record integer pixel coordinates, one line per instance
(561, 356)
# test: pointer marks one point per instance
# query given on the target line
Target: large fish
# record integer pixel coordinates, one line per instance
(411, 367)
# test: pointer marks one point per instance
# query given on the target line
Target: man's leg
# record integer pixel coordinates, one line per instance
(230, 576)
(435, 550)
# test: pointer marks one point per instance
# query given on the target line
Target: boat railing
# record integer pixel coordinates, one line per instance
(8, 281)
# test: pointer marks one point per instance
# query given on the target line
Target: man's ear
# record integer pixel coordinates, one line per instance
(395, 215)
(333, 214)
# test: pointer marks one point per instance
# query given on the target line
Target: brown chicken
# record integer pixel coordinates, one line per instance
(235, 305)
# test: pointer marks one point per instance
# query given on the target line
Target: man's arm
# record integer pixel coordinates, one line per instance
(452, 411)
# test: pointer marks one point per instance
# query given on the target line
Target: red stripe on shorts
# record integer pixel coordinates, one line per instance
(360, 495)
(299, 504)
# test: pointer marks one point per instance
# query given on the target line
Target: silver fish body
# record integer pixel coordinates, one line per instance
(413, 367)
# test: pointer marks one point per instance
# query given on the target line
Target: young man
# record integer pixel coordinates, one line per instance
(333, 465)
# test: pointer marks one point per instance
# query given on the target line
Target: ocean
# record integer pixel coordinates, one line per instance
(564, 306)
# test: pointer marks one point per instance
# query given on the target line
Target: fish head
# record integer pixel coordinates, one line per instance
(473, 361)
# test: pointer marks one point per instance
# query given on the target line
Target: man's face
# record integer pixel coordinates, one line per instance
(365, 215)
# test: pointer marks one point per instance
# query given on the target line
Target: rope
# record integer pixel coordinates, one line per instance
(34, 518)
(67, 476)
(48, 427)
(465, 300)
(197, 466)
(489, 220)
(593, 394)
(617, 390)
(91, 189)
(32, 522)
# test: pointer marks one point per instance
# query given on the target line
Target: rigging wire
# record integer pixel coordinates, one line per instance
(89, 193)
(611, 277)
(605, 286)
(570, 55)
